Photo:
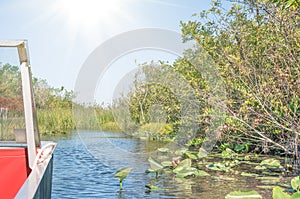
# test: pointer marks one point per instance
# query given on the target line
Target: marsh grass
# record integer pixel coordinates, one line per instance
(13, 120)
(55, 121)
(64, 120)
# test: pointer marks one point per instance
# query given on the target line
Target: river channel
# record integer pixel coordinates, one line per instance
(85, 163)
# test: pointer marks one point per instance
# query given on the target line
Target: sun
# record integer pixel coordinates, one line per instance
(88, 13)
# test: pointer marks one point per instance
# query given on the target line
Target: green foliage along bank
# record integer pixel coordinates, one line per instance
(255, 46)
(55, 108)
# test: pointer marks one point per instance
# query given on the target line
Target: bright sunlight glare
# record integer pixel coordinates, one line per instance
(89, 12)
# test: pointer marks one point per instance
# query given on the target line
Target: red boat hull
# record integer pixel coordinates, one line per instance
(14, 170)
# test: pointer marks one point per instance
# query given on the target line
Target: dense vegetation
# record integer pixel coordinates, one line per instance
(255, 47)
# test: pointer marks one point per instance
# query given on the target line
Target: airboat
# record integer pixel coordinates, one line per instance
(26, 162)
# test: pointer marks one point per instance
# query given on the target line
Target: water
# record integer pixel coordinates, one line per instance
(85, 163)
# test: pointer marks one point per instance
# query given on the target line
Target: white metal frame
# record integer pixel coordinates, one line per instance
(32, 134)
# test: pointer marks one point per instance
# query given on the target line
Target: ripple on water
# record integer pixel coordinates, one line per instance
(79, 174)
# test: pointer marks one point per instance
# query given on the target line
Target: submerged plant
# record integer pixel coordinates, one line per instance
(122, 174)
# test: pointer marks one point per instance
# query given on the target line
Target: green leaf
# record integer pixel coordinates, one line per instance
(243, 194)
(271, 163)
(163, 150)
(239, 147)
(279, 194)
(122, 173)
(185, 172)
(154, 164)
(218, 166)
(259, 167)
(202, 173)
(166, 163)
(295, 182)
(190, 155)
(295, 196)
(265, 186)
(185, 164)
(154, 188)
(290, 3)
(268, 179)
(180, 151)
(228, 153)
(249, 174)
(202, 153)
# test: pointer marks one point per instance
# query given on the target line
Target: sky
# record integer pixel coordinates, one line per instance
(63, 33)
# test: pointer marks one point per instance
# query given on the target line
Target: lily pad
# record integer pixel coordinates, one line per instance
(187, 172)
(243, 194)
(270, 173)
(221, 177)
(166, 163)
(202, 153)
(268, 179)
(176, 158)
(271, 163)
(279, 194)
(249, 162)
(163, 150)
(295, 196)
(265, 187)
(202, 173)
(249, 174)
(154, 188)
(185, 164)
(181, 151)
(154, 164)
(239, 147)
(190, 155)
(295, 182)
(150, 171)
(228, 153)
(285, 185)
(122, 173)
(259, 167)
(217, 166)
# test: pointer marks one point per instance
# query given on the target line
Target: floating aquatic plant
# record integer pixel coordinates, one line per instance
(249, 174)
(229, 154)
(163, 150)
(122, 174)
(181, 151)
(278, 192)
(154, 188)
(190, 155)
(270, 163)
(155, 165)
(295, 182)
(243, 194)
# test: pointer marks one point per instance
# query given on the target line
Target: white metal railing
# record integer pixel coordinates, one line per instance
(32, 134)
